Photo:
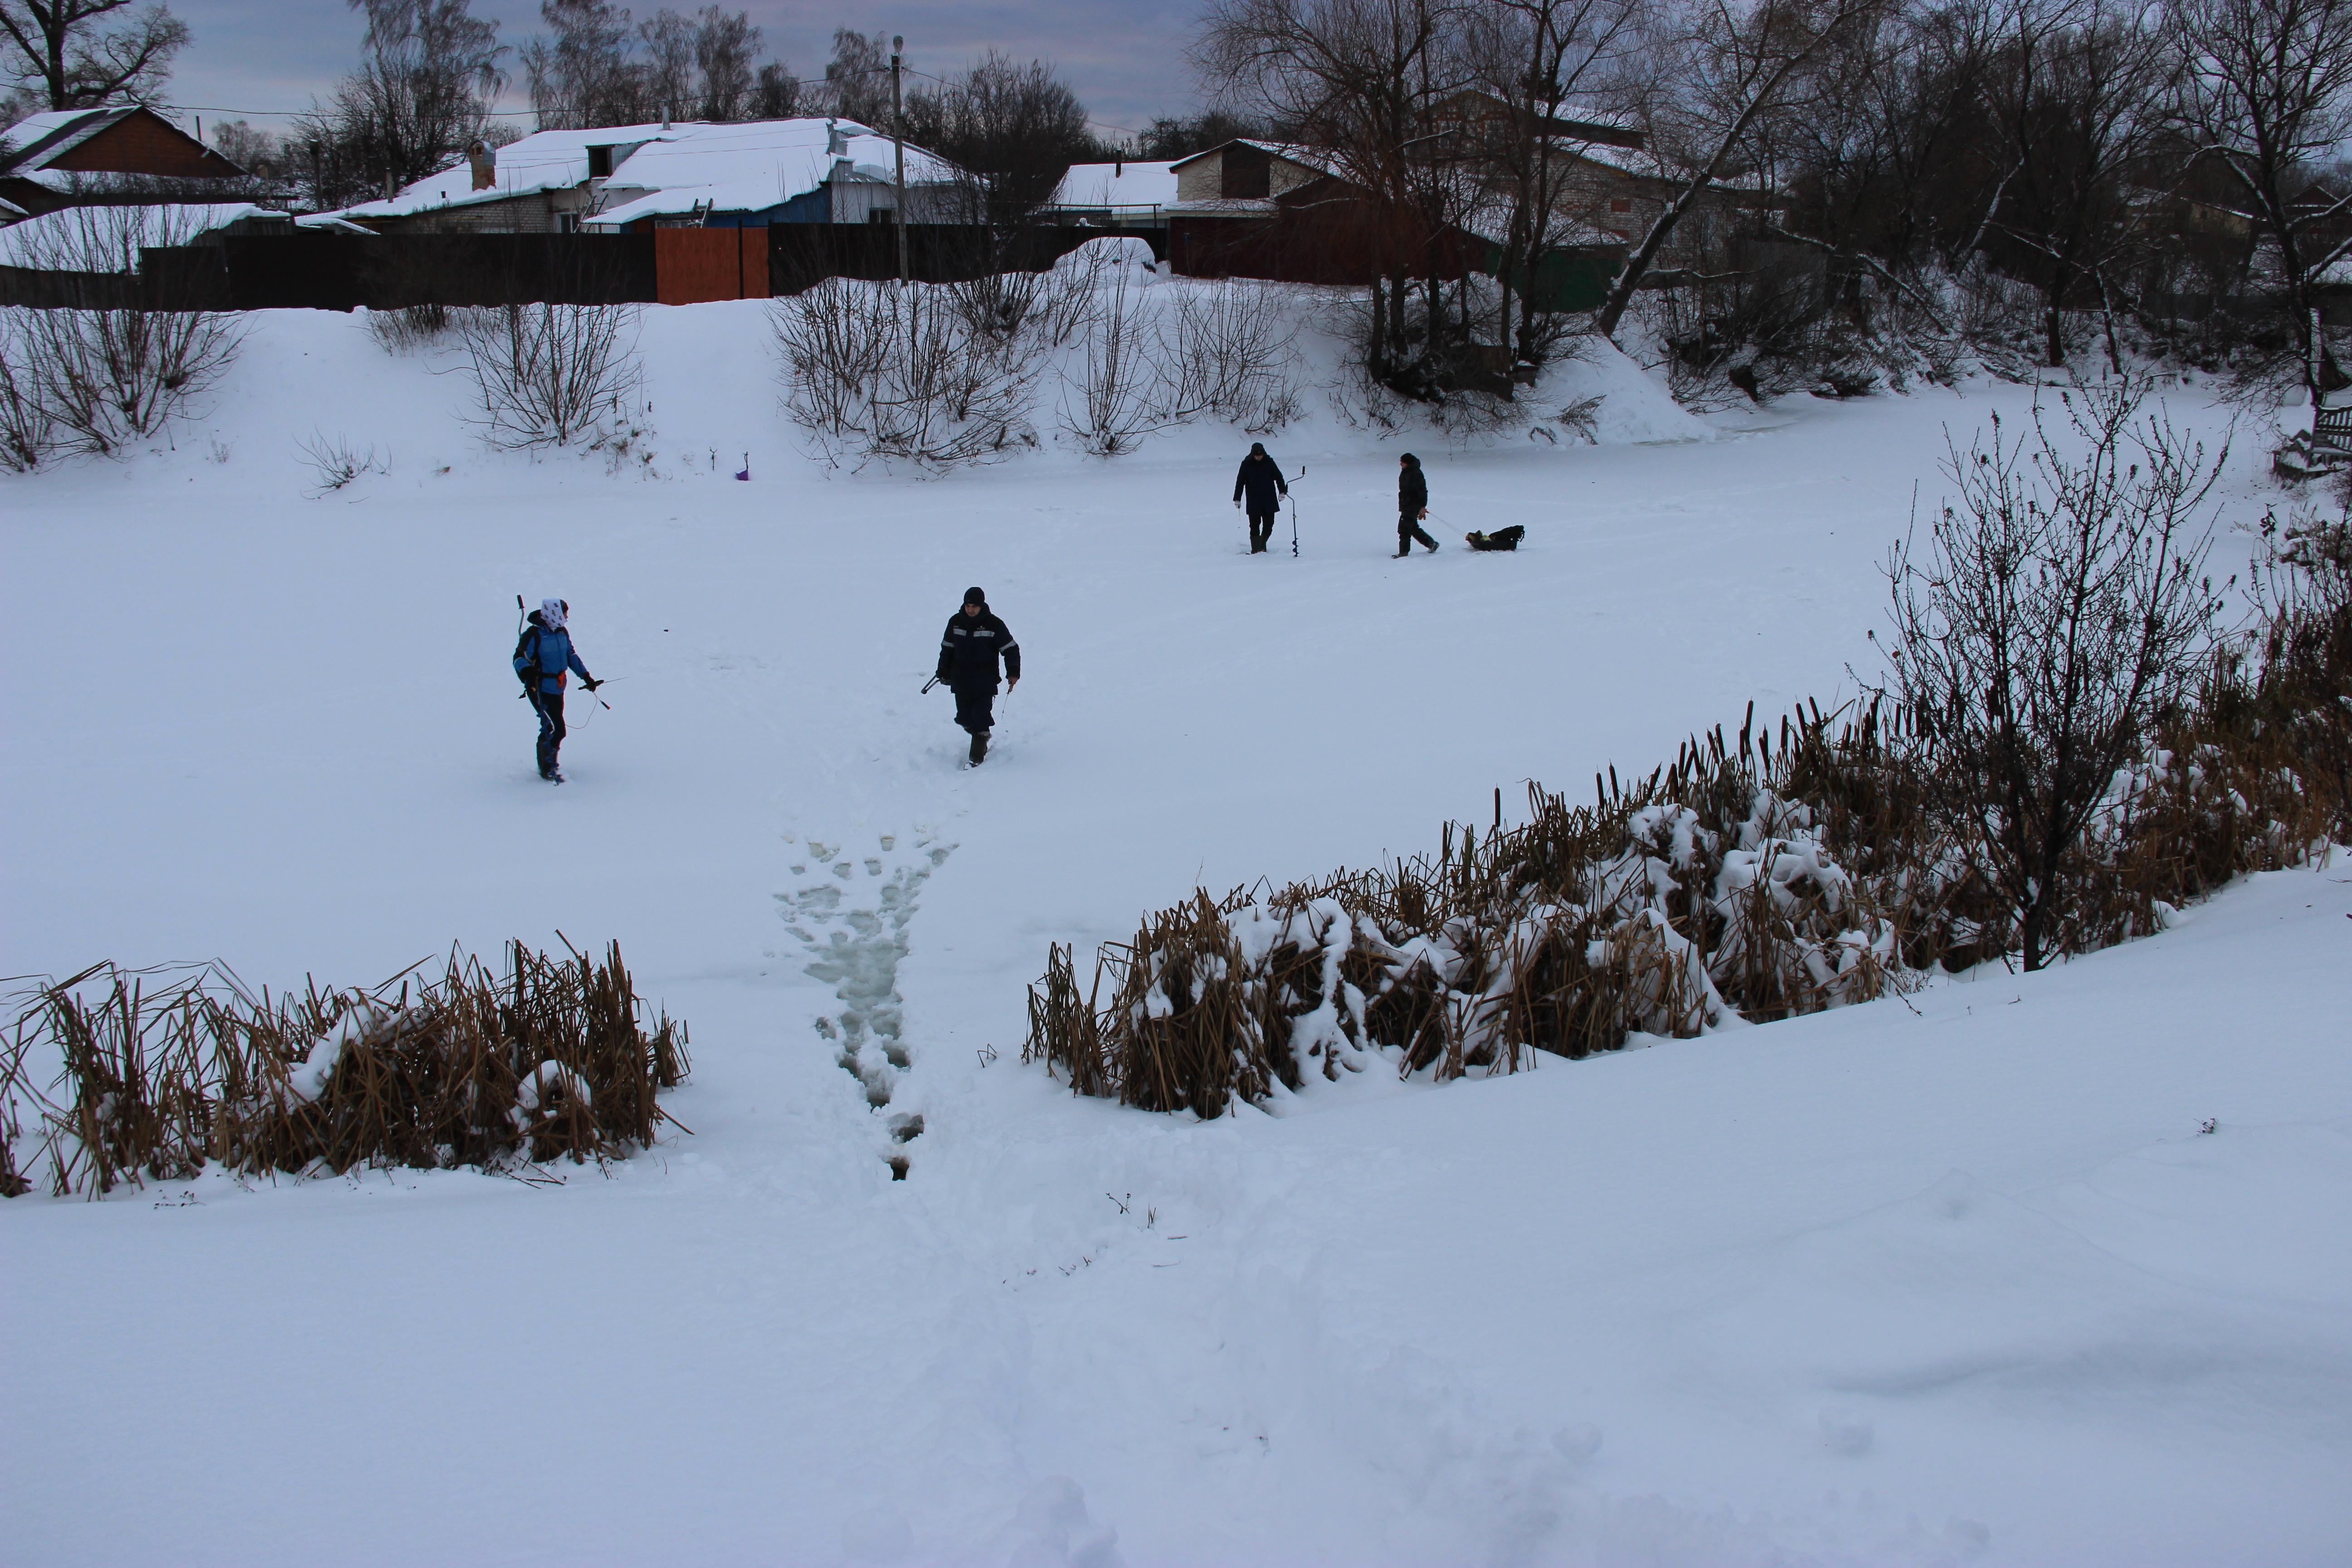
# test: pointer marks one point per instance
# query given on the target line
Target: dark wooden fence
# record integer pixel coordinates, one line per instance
(389, 272)
(803, 255)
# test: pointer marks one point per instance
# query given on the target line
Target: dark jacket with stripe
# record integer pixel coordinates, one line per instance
(969, 652)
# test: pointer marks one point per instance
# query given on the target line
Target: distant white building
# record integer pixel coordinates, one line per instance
(1123, 195)
(617, 178)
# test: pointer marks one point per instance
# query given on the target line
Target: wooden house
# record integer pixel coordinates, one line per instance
(76, 157)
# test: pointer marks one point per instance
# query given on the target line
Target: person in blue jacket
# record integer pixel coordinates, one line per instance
(543, 661)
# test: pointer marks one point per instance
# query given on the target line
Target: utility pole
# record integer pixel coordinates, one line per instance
(898, 146)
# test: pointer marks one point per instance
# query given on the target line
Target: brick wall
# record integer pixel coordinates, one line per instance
(145, 145)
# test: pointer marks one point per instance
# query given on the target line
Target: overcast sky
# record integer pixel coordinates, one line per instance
(1124, 58)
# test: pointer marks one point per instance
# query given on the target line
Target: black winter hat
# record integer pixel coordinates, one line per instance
(974, 596)
(1409, 458)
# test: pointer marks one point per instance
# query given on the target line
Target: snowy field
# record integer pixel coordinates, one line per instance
(1950, 1281)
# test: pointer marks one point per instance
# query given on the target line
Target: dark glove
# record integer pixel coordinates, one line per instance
(590, 682)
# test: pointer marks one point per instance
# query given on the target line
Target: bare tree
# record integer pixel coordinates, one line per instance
(546, 376)
(1115, 397)
(725, 45)
(1355, 79)
(775, 92)
(663, 77)
(429, 71)
(2055, 611)
(255, 152)
(90, 382)
(2266, 88)
(1013, 129)
(2073, 93)
(82, 54)
(598, 69)
(1729, 69)
(857, 78)
(582, 75)
(1535, 58)
(1227, 349)
(873, 371)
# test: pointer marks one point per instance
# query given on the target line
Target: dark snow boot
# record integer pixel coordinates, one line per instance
(979, 747)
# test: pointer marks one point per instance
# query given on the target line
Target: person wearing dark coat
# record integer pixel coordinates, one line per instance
(1412, 505)
(544, 660)
(975, 640)
(1260, 480)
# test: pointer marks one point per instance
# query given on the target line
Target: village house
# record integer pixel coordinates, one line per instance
(1269, 209)
(76, 157)
(624, 178)
(1120, 195)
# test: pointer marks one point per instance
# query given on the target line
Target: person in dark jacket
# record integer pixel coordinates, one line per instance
(975, 640)
(1412, 505)
(543, 661)
(1260, 480)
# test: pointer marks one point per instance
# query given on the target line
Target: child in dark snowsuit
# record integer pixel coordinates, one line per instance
(975, 640)
(543, 660)
(1412, 505)
(1261, 479)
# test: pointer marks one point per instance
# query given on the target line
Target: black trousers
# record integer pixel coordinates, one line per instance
(1261, 530)
(550, 706)
(1408, 529)
(972, 705)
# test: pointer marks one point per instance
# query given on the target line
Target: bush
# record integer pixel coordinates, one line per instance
(2057, 609)
(411, 328)
(938, 374)
(160, 1072)
(548, 376)
(90, 381)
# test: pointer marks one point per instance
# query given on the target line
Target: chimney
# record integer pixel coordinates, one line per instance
(485, 165)
(391, 189)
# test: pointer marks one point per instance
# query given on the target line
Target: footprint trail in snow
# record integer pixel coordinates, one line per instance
(851, 914)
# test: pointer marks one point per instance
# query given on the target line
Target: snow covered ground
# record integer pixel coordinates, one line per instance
(1951, 1280)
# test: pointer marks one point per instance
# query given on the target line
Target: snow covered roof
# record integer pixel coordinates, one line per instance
(1126, 184)
(544, 161)
(658, 169)
(36, 139)
(752, 166)
(108, 238)
(1291, 152)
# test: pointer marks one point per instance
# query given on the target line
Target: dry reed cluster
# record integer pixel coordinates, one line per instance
(117, 1075)
(1761, 876)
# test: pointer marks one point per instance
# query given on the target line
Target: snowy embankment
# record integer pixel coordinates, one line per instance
(1952, 1280)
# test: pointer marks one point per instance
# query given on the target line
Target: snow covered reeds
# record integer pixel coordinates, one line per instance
(157, 1073)
(1748, 879)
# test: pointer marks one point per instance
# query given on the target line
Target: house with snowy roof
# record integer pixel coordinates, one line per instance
(1123, 194)
(1249, 208)
(624, 178)
(71, 157)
